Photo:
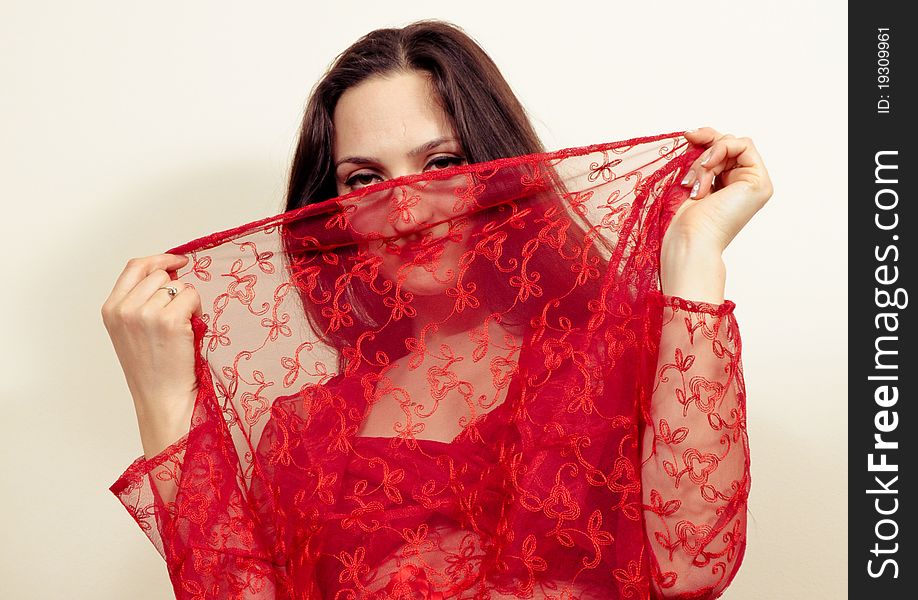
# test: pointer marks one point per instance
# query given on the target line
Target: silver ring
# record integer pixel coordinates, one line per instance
(171, 289)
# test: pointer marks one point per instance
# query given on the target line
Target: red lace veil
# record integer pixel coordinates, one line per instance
(459, 384)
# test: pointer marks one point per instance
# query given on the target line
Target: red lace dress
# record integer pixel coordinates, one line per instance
(510, 408)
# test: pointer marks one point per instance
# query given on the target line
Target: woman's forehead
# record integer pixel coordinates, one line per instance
(388, 117)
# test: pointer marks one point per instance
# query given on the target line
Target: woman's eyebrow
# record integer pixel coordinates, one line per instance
(426, 147)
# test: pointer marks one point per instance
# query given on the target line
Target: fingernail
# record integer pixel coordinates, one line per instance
(695, 189)
(707, 155)
(690, 130)
(688, 177)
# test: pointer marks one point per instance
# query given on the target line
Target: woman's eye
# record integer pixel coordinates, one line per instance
(362, 178)
(447, 161)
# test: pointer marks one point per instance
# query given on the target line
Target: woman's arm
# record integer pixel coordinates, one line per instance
(695, 448)
(191, 501)
(695, 452)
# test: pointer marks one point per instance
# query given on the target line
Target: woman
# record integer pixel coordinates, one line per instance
(409, 101)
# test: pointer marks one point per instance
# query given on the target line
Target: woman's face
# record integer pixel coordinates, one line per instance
(384, 128)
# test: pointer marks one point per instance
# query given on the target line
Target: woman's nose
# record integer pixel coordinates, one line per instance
(408, 210)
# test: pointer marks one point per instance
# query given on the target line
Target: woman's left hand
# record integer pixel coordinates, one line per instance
(729, 185)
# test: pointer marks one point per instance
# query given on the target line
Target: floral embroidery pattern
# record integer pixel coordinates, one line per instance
(509, 408)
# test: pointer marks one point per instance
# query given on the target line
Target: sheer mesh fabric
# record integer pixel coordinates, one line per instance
(512, 409)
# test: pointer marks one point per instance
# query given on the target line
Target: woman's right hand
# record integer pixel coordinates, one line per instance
(153, 339)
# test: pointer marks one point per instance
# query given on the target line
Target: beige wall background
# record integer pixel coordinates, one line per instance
(128, 128)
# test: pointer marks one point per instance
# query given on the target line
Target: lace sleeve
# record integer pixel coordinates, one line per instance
(191, 501)
(695, 452)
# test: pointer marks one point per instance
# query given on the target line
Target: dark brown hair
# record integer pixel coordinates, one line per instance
(488, 118)
(490, 123)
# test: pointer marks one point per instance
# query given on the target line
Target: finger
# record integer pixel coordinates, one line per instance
(703, 185)
(720, 156)
(702, 135)
(713, 160)
(161, 298)
(700, 184)
(139, 268)
(710, 163)
(148, 291)
(729, 151)
(186, 302)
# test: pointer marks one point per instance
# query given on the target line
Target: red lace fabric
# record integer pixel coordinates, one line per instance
(511, 409)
